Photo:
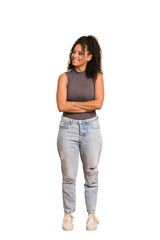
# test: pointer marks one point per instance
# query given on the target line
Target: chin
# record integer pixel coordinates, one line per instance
(74, 64)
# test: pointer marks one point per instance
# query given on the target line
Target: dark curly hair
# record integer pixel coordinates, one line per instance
(94, 65)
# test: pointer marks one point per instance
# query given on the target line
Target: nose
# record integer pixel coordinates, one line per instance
(75, 54)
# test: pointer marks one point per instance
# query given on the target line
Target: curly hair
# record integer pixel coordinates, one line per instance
(94, 65)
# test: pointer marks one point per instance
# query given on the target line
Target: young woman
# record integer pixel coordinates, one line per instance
(80, 92)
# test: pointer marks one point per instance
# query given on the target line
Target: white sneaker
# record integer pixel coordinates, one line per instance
(92, 222)
(68, 222)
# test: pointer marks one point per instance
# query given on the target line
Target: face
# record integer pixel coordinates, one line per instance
(79, 57)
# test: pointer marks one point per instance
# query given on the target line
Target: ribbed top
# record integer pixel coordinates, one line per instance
(80, 88)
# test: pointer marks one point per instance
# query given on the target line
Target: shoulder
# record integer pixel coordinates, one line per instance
(62, 78)
(66, 76)
(99, 77)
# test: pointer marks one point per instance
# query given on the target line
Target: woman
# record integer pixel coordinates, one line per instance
(80, 92)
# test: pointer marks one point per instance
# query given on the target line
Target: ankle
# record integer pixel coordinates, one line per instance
(89, 214)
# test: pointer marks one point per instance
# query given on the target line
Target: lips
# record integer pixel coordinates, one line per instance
(75, 60)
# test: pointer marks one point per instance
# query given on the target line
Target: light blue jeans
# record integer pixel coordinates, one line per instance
(84, 137)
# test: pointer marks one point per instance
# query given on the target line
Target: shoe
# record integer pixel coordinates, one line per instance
(68, 222)
(92, 222)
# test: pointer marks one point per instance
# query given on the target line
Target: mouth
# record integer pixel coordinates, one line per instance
(75, 60)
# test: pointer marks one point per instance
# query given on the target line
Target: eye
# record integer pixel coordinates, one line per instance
(79, 53)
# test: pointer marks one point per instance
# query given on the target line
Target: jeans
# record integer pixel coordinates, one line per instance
(79, 137)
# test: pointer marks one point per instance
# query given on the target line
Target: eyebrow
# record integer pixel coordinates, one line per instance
(78, 51)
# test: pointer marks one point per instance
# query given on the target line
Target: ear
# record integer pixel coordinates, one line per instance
(89, 57)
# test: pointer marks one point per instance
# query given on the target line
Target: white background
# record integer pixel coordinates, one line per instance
(36, 38)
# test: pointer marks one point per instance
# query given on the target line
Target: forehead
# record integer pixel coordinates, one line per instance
(79, 48)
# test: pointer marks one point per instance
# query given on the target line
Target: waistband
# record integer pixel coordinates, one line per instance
(78, 121)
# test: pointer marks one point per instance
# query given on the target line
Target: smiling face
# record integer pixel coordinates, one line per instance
(80, 58)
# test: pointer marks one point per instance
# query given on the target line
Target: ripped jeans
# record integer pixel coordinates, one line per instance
(84, 137)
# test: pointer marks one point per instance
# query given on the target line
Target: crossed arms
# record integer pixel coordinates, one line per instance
(79, 107)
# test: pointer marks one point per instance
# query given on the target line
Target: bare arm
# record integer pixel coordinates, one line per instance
(62, 103)
(99, 97)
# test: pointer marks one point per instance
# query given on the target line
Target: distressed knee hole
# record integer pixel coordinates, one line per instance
(91, 177)
(69, 180)
(92, 170)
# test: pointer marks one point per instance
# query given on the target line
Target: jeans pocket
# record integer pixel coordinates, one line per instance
(64, 124)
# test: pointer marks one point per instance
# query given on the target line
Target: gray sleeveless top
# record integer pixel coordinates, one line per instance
(80, 88)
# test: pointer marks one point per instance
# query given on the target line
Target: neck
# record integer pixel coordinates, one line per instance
(80, 69)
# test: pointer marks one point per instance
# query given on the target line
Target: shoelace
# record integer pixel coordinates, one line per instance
(93, 219)
(69, 218)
